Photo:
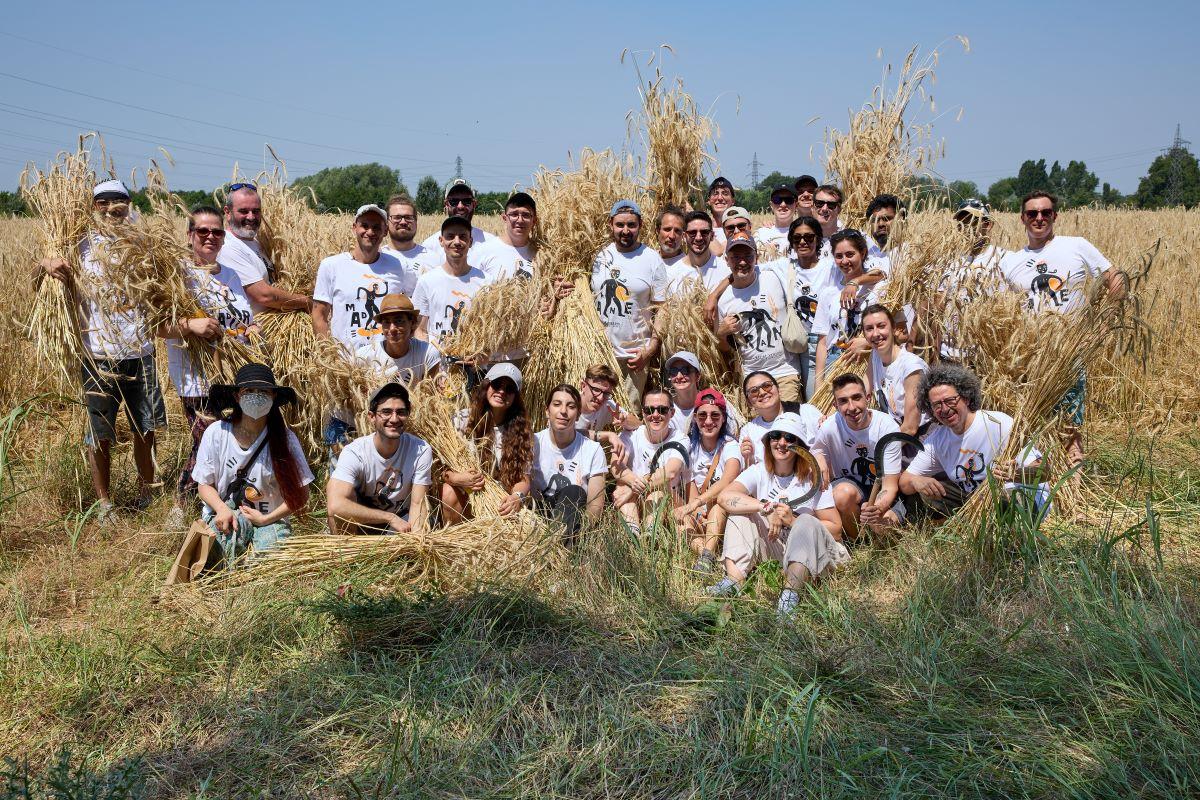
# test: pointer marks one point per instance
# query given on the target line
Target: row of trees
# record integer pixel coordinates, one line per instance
(1173, 179)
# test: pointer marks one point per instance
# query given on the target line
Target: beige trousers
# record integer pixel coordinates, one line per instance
(808, 543)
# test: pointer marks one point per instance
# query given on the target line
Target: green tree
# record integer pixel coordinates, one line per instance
(1002, 195)
(1032, 176)
(962, 190)
(1154, 190)
(1111, 197)
(11, 203)
(347, 188)
(429, 196)
(774, 179)
(1074, 185)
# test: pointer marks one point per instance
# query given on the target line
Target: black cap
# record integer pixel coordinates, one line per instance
(720, 182)
(805, 179)
(250, 376)
(521, 200)
(463, 221)
(387, 392)
(783, 188)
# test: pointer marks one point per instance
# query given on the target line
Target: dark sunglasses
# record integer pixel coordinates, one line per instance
(783, 200)
(503, 385)
(216, 233)
(1034, 213)
(826, 203)
(788, 438)
(761, 388)
(713, 415)
(694, 234)
(235, 187)
(460, 201)
(660, 410)
(806, 238)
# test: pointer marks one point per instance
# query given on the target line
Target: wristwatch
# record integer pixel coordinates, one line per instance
(522, 496)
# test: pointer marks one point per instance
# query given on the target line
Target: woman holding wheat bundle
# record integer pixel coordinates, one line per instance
(496, 424)
(838, 318)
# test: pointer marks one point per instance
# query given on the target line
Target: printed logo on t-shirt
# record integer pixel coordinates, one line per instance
(389, 483)
(234, 320)
(758, 327)
(1046, 284)
(806, 304)
(862, 467)
(523, 270)
(559, 480)
(362, 320)
(969, 474)
(613, 299)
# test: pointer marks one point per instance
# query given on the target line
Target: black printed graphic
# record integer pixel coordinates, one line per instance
(969, 476)
(1048, 285)
(758, 328)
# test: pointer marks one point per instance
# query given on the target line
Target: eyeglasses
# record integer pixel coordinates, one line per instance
(738, 226)
(948, 403)
(804, 238)
(602, 393)
(216, 233)
(716, 416)
(662, 411)
(393, 412)
(235, 187)
(1034, 213)
(403, 218)
(826, 203)
(521, 215)
(788, 438)
(761, 388)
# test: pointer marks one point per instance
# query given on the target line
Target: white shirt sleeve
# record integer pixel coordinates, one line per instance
(749, 479)
(924, 462)
(323, 288)
(1097, 264)
(242, 260)
(205, 471)
(825, 500)
(420, 298)
(433, 357)
(821, 319)
(306, 476)
(423, 471)
(349, 466)
(659, 282)
(598, 465)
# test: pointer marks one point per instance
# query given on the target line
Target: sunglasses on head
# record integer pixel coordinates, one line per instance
(235, 187)
(660, 410)
(775, 436)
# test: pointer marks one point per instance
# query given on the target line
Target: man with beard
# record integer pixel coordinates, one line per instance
(881, 214)
(380, 482)
(118, 359)
(460, 202)
(401, 244)
(242, 253)
(670, 235)
(699, 264)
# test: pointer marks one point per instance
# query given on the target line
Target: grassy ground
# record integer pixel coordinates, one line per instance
(1062, 666)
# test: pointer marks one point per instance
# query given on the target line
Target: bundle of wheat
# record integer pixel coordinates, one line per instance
(681, 322)
(294, 237)
(333, 379)
(500, 319)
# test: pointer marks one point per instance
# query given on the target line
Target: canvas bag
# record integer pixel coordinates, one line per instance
(193, 554)
(794, 334)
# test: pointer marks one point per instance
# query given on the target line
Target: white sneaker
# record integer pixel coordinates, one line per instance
(788, 600)
(175, 519)
(726, 587)
(106, 512)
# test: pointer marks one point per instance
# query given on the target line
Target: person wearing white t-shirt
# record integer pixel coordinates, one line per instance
(250, 470)
(762, 393)
(1052, 271)
(894, 372)
(118, 366)
(644, 483)
(629, 283)
(847, 440)
(720, 198)
(699, 263)
(806, 190)
(770, 518)
(683, 374)
(669, 227)
(242, 253)
(401, 242)
(460, 202)
(882, 212)
(751, 315)
(567, 477)
(772, 240)
(974, 275)
(513, 254)
(967, 446)
(599, 415)
(381, 481)
(398, 355)
(716, 460)
(445, 292)
(838, 318)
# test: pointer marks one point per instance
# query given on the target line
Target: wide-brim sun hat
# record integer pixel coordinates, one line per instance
(250, 376)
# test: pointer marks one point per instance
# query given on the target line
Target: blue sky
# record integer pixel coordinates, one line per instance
(509, 86)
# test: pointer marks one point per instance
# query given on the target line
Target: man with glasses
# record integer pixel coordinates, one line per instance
(380, 482)
(847, 441)
(401, 242)
(398, 355)
(750, 317)
(1052, 271)
(806, 189)
(242, 253)
(772, 239)
(512, 254)
(827, 203)
(640, 489)
(599, 414)
(720, 198)
(963, 450)
(735, 220)
(460, 202)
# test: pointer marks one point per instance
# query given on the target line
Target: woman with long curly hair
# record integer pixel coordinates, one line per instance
(497, 425)
(250, 470)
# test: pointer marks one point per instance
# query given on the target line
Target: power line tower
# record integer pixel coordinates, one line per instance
(1177, 153)
(458, 167)
(754, 167)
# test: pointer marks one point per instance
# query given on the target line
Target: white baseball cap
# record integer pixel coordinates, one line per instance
(504, 369)
(370, 208)
(687, 358)
(110, 190)
(787, 422)
(734, 212)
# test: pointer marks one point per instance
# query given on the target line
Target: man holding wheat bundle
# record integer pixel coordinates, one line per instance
(242, 253)
(118, 358)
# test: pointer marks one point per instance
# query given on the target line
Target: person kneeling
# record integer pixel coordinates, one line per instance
(250, 471)
(657, 464)
(380, 481)
(568, 467)
(768, 519)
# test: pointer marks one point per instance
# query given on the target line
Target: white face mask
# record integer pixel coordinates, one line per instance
(255, 404)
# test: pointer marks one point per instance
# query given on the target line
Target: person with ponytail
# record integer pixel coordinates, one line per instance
(250, 470)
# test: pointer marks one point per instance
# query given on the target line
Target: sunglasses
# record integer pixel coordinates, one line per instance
(216, 233)
(506, 386)
(695, 234)
(775, 436)
(460, 201)
(804, 238)
(785, 200)
(662, 411)
(762, 388)
(679, 369)
(826, 203)
(235, 187)
(716, 416)
(1034, 213)
(737, 226)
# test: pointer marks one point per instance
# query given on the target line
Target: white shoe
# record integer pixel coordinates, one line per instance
(726, 587)
(106, 512)
(788, 600)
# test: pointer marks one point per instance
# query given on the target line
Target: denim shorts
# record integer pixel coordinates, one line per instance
(109, 384)
(1071, 404)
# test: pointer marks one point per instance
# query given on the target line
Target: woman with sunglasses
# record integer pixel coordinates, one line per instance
(226, 312)
(657, 464)
(568, 468)
(498, 427)
(762, 392)
(839, 310)
(715, 461)
(769, 519)
(894, 372)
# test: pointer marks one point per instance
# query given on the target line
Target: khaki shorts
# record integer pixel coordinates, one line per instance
(789, 388)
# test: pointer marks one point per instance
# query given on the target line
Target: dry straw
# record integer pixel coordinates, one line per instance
(500, 319)
(681, 321)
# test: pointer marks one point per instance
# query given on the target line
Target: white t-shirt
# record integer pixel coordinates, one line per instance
(1053, 277)
(888, 382)
(599, 420)
(641, 452)
(760, 308)
(219, 457)
(111, 328)
(702, 460)
(972, 277)
(442, 297)
(755, 429)
(625, 285)
(838, 324)
(223, 299)
(246, 258)
(807, 284)
(851, 454)
(479, 237)
(770, 488)
(385, 483)
(354, 290)
(772, 242)
(681, 420)
(415, 261)
(555, 469)
(421, 358)
(965, 458)
(710, 273)
(500, 261)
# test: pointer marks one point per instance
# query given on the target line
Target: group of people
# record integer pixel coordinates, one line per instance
(789, 299)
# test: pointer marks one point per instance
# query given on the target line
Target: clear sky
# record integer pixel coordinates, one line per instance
(511, 85)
